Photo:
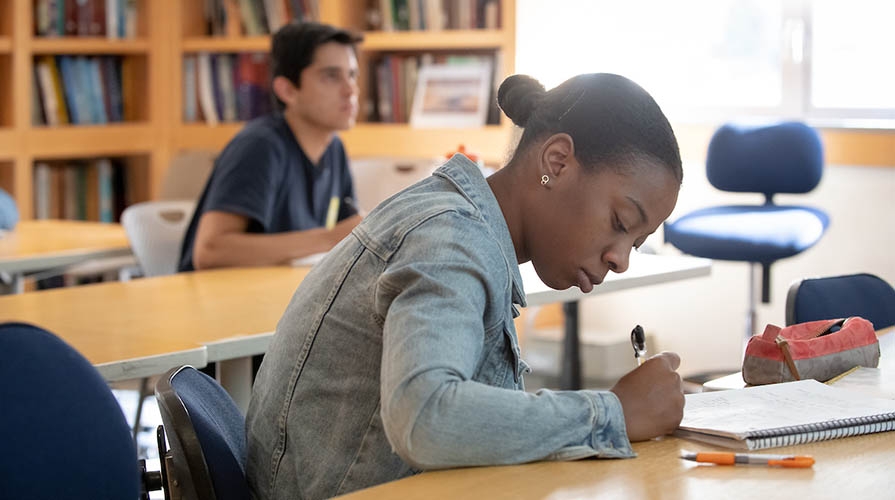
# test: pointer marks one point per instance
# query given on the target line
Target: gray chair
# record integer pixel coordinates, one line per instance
(155, 231)
(206, 431)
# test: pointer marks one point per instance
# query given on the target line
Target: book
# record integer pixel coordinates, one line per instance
(790, 413)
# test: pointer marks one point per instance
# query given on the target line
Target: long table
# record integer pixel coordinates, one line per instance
(143, 327)
(38, 245)
(856, 467)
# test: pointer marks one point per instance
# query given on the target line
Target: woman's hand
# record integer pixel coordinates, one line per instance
(651, 397)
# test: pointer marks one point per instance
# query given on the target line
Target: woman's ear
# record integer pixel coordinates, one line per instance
(557, 153)
(283, 89)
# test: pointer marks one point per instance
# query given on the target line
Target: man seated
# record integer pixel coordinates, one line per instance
(281, 189)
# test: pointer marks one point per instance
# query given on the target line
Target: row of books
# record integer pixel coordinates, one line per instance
(79, 90)
(393, 88)
(109, 18)
(435, 15)
(80, 190)
(225, 87)
(256, 17)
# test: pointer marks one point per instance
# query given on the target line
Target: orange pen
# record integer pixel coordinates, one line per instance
(721, 458)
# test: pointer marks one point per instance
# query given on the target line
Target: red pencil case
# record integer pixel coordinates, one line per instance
(818, 349)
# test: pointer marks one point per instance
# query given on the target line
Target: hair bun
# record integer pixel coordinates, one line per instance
(518, 96)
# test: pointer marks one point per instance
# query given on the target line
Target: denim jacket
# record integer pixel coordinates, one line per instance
(398, 354)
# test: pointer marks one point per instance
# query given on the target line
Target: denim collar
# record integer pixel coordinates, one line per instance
(468, 179)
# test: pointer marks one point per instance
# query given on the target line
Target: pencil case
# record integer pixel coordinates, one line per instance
(817, 349)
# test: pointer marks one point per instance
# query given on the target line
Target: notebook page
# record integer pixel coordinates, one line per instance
(738, 412)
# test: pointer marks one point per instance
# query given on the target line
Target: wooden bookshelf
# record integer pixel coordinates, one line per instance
(367, 138)
(454, 40)
(88, 46)
(91, 140)
(138, 143)
(226, 44)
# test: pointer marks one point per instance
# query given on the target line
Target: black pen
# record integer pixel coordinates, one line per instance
(638, 341)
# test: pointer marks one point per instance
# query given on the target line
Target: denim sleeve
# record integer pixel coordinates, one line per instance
(437, 289)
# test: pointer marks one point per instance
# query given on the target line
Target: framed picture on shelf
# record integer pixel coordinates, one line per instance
(452, 95)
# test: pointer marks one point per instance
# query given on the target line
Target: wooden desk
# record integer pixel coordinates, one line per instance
(37, 245)
(127, 328)
(856, 467)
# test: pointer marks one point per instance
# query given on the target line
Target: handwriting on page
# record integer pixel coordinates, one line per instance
(778, 405)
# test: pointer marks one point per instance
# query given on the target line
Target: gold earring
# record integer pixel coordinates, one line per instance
(544, 180)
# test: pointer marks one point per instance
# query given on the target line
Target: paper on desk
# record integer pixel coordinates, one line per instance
(310, 260)
(869, 381)
(804, 402)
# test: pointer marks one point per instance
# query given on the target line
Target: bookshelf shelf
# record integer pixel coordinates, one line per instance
(227, 44)
(85, 45)
(200, 136)
(402, 41)
(384, 139)
(7, 143)
(91, 140)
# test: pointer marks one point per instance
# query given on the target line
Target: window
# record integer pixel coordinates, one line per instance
(821, 60)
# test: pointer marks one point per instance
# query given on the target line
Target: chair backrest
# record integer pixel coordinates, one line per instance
(206, 431)
(864, 295)
(155, 230)
(187, 175)
(9, 212)
(63, 432)
(781, 158)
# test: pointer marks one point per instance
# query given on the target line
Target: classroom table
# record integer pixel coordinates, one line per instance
(230, 313)
(126, 328)
(38, 245)
(855, 467)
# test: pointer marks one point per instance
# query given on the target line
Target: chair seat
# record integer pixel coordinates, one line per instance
(763, 233)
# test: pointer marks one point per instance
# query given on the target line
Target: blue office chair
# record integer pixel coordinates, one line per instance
(206, 431)
(781, 158)
(864, 295)
(63, 433)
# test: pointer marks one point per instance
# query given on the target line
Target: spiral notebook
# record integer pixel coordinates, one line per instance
(784, 414)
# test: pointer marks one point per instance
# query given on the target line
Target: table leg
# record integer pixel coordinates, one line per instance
(235, 375)
(11, 283)
(570, 371)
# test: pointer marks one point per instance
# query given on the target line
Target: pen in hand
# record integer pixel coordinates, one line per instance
(722, 458)
(638, 341)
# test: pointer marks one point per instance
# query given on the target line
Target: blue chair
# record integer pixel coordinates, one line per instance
(206, 431)
(781, 158)
(9, 213)
(63, 432)
(863, 294)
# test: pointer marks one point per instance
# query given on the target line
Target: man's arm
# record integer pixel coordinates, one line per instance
(221, 241)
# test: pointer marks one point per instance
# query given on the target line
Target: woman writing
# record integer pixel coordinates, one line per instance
(398, 352)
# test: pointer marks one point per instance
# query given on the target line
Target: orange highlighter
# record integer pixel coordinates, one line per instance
(721, 458)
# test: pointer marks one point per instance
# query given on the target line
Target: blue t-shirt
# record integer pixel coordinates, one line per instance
(264, 175)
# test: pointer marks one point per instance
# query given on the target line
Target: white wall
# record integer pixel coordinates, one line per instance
(703, 319)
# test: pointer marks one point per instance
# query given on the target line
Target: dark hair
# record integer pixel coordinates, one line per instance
(293, 47)
(611, 119)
